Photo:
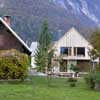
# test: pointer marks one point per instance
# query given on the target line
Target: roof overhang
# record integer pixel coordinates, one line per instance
(16, 36)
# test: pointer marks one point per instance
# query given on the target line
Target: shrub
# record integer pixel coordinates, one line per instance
(93, 77)
(73, 84)
(97, 77)
(98, 68)
(97, 81)
(90, 80)
(13, 64)
(72, 80)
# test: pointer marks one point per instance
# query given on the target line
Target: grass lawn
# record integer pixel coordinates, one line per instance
(38, 89)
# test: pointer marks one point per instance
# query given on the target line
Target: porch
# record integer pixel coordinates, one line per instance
(63, 66)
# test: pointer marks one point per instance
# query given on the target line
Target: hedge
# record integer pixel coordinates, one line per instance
(13, 64)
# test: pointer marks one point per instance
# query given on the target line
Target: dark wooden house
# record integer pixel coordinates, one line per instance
(9, 39)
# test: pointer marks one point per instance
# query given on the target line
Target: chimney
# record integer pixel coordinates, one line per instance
(7, 19)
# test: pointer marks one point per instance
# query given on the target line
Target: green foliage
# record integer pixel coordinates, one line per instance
(97, 68)
(90, 80)
(45, 36)
(40, 59)
(72, 80)
(97, 77)
(74, 68)
(93, 77)
(95, 40)
(42, 55)
(72, 84)
(13, 64)
(50, 56)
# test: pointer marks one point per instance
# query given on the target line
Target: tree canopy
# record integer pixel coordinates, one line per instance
(95, 41)
(44, 42)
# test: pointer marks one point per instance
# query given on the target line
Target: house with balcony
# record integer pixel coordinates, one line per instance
(71, 49)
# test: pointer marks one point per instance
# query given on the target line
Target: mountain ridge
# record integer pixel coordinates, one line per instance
(28, 16)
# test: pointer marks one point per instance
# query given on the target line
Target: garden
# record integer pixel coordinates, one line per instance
(40, 88)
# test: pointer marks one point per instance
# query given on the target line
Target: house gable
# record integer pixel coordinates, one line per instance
(73, 38)
(10, 40)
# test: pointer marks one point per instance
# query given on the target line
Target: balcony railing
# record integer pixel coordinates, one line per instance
(77, 57)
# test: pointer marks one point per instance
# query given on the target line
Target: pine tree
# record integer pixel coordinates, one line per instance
(44, 43)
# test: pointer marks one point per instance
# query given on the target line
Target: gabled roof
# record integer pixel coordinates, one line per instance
(73, 38)
(72, 29)
(15, 34)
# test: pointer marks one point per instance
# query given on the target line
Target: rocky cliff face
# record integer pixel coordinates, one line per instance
(89, 9)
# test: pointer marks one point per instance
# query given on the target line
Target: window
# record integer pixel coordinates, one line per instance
(64, 50)
(81, 51)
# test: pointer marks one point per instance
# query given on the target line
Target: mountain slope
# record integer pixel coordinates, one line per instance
(27, 16)
(85, 7)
